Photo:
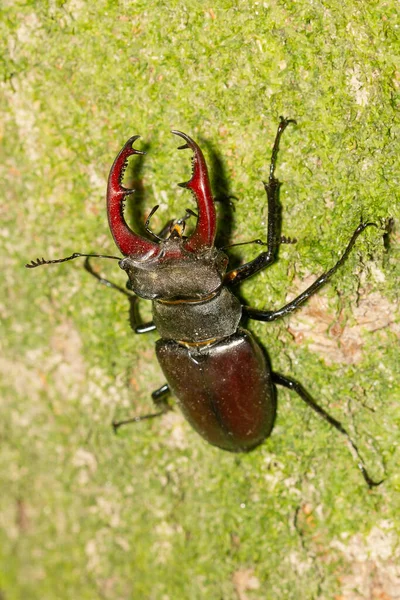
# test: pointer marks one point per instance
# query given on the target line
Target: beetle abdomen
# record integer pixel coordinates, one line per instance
(224, 390)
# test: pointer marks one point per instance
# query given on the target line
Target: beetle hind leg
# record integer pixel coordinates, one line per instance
(160, 400)
(293, 385)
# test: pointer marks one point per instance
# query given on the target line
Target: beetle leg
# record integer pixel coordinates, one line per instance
(159, 396)
(160, 400)
(293, 385)
(88, 267)
(145, 327)
(268, 315)
(134, 318)
(274, 220)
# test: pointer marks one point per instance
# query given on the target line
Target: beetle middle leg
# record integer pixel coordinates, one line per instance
(160, 395)
(293, 385)
(268, 315)
(159, 398)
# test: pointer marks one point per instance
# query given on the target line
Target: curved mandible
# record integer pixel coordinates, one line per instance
(204, 234)
(129, 242)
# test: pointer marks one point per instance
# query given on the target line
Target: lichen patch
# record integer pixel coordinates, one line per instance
(375, 565)
(334, 337)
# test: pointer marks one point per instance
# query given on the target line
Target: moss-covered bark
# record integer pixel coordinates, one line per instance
(154, 512)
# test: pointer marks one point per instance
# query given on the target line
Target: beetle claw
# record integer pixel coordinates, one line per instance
(127, 240)
(204, 233)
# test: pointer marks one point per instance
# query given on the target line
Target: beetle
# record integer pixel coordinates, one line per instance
(217, 371)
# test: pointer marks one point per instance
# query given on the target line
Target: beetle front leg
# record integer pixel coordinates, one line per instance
(274, 220)
(145, 327)
(133, 312)
(293, 385)
(159, 398)
(88, 267)
(268, 315)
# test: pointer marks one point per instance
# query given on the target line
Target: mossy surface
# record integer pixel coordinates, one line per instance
(154, 512)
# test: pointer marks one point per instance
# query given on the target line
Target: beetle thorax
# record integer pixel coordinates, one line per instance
(175, 273)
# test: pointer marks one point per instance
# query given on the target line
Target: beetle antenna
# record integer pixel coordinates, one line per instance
(257, 241)
(42, 261)
(283, 240)
(288, 240)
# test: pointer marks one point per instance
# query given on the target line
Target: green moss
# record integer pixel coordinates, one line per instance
(154, 512)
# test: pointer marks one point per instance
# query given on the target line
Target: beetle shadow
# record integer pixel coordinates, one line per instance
(134, 206)
(226, 210)
(222, 196)
(389, 228)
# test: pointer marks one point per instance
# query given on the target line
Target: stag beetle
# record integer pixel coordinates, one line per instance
(217, 371)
